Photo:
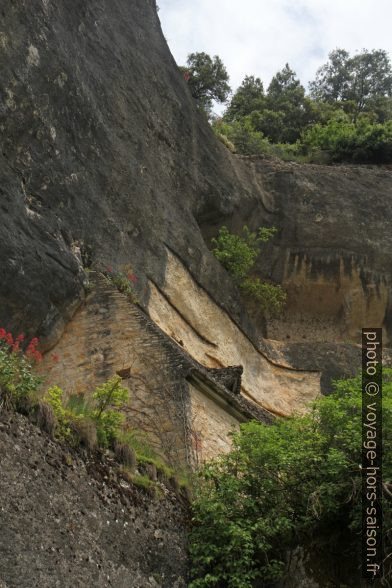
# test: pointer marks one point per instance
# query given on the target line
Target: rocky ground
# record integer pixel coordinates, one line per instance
(70, 521)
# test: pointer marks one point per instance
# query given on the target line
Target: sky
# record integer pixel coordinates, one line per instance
(258, 37)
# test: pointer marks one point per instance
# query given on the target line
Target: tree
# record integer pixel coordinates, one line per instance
(248, 98)
(296, 482)
(207, 79)
(364, 79)
(288, 111)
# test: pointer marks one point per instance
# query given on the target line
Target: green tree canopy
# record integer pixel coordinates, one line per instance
(248, 98)
(364, 79)
(207, 79)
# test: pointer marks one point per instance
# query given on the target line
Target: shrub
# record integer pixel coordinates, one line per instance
(226, 141)
(18, 382)
(124, 282)
(238, 255)
(90, 421)
(54, 398)
(109, 399)
(346, 141)
(297, 482)
(246, 140)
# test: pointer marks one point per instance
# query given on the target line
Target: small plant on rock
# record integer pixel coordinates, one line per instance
(238, 255)
(110, 399)
(124, 282)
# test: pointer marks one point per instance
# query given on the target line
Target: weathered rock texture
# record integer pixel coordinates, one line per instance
(71, 522)
(104, 159)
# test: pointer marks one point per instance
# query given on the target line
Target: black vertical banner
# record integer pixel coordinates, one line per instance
(372, 545)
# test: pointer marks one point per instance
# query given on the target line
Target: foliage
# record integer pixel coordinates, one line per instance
(279, 116)
(242, 135)
(96, 419)
(248, 98)
(361, 79)
(207, 79)
(124, 282)
(17, 379)
(288, 111)
(109, 400)
(297, 482)
(224, 139)
(346, 117)
(359, 142)
(145, 453)
(143, 482)
(54, 398)
(238, 255)
(104, 411)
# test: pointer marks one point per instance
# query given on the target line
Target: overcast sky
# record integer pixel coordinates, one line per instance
(257, 37)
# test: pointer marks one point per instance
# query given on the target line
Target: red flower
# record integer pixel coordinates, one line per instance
(55, 358)
(3, 333)
(15, 347)
(20, 337)
(187, 76)
(9, 339)
(132, 278)
(37, 356)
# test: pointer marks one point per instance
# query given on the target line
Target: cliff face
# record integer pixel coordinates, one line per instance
(105, 160)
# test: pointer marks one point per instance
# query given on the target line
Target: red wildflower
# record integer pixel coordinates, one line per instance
(15, 347)
(187, 76)
(20, 337)
(9, 339)
(37, 356)
(132, 278)
(3, 333)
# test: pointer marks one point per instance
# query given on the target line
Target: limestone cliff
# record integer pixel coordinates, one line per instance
(105, 161)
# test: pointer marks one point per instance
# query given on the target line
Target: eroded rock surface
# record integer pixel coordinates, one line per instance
(105, 160)
(71, 523)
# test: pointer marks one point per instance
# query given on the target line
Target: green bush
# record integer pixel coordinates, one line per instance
(18, 382)
(297, 482)
(54, 398)
(344, 141)
(238, 255)
(104, 411)
(246, 140)
(109, 400)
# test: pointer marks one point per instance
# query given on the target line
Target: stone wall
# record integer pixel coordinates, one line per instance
(212, 424)
(110, 336)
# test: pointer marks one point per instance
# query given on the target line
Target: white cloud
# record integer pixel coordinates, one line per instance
(259, 36)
